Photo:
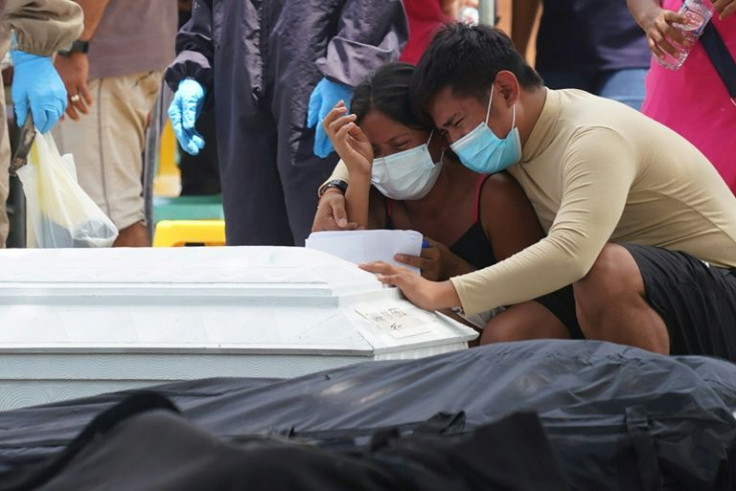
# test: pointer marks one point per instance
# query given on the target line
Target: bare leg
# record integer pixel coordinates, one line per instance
(452, 315)
(610, 304)
(528, 320)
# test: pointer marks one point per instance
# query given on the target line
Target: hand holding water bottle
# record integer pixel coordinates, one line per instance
(660, 27)
(672, 35)
(724, 8)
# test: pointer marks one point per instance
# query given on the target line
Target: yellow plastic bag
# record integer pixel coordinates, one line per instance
(58, 212)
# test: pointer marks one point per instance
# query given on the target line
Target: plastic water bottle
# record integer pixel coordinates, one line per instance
(697, 14)
(469, 15)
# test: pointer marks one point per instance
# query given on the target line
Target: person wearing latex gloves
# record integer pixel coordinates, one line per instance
(184, 111)
(324, 97)
(424, 18)
(200, 173)
(37, 86)
(41, 27)
(262, 67)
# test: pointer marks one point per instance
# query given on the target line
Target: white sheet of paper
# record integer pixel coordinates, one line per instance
(397, 322)
(364, 246)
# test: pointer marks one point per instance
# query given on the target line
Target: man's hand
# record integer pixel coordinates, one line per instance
(425, 294)
(74, 72)
(662, 35)
(724, 8)
(331, 214)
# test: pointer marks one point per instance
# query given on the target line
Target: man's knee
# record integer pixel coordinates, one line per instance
(614, 269)
(613, 278)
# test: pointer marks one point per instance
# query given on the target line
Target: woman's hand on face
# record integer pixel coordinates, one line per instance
(662, 35)
(349, 141)
(724, 8)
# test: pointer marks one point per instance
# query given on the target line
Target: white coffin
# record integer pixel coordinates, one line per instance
(80, 322)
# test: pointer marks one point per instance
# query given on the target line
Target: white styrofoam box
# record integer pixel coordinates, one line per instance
(75, 322)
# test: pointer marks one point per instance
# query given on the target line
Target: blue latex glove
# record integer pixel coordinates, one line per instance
(37, 85)
(324, 97)
(184, 111)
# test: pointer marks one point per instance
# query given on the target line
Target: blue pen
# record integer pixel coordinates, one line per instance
(425, 244)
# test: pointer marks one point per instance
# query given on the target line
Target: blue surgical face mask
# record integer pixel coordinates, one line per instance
(485, 153)
(406, 175)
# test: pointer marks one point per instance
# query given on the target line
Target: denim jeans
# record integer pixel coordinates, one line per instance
(626, 85)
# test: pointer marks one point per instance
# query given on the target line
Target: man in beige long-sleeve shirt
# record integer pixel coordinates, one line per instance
(41, 27)
(637, 218)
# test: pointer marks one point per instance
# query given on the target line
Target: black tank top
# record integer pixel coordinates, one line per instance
(473, 246)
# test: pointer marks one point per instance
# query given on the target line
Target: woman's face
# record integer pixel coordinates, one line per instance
(388, 136)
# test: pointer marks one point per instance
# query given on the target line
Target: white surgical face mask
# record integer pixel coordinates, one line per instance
(406, 175)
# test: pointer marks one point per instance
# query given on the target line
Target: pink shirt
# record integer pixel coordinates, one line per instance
(694, 102)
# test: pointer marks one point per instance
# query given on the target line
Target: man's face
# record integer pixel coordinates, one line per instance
(457, 116)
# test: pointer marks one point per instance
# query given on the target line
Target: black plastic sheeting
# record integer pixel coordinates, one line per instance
(616, 417)
(143, 443)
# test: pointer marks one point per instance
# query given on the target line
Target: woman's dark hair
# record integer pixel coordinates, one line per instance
(467, 59)
(387, 91)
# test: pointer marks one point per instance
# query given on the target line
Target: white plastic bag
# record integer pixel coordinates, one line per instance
(58, 212)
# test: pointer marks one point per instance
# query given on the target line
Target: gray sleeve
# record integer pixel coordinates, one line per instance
(42, 26)
(370, 34)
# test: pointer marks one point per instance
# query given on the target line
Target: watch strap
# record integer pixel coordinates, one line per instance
(334, 183)
(75, 47)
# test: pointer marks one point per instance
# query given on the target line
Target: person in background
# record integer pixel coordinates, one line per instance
(592, 45)
(424, 21)
(112, 74)
(418, 184)
(272, 71)
(200, 173)
(41, 27)
(693, 100)
(425, 18)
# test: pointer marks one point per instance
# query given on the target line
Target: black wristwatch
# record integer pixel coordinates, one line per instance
(335, 183)
(76, 47)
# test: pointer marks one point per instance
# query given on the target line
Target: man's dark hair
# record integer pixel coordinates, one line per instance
(467, 59)
(387, 91)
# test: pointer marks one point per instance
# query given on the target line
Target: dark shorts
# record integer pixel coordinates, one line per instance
(697, 301)
(562, 304)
